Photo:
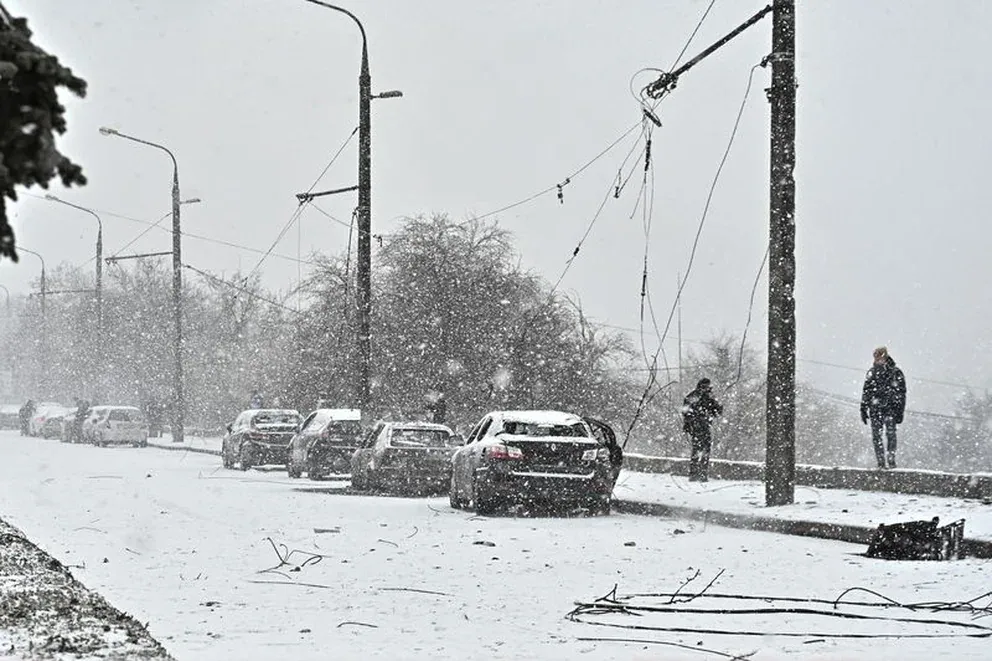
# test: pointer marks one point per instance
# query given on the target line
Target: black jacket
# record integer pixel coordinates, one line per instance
(884, 392)
(698, 409)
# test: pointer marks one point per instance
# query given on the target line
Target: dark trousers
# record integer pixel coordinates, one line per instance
(885, 460)
(699, 460)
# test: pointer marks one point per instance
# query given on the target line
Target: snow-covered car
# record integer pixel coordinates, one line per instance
(93, 417)
(324, 443)
(120, 424)
(258, 437)
(42, 413)
(525, 457)
(407, 456)
(10, 417)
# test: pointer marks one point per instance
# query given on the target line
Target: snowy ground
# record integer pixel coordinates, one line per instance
(186, 546)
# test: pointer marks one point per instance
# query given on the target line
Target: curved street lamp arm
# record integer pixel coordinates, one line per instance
(365, 48)
(99, 222)
(31, 252)
(175, 165)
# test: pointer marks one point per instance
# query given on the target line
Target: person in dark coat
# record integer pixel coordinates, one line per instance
(883, 401)
(25, 414)
(698, 410)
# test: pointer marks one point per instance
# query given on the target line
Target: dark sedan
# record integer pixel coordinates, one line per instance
(259, 436)
(532, 457)
(325, 443)
(405, 456)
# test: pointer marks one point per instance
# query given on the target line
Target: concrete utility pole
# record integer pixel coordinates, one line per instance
(43, 378)
(364, 215)
(780, 412)
(179, 393)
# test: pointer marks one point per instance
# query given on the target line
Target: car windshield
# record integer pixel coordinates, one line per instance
(419, 438)
(539, 429)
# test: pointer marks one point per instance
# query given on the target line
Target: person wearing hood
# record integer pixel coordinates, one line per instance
(698, 410)
(883, 402)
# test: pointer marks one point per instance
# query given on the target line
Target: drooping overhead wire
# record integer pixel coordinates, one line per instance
(557, 186)
(239, 288)
(295, 216)
(709, 200)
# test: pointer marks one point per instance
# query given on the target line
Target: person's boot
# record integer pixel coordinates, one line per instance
(892, 460)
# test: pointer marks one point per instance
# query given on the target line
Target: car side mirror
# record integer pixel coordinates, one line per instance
(457, 439)
(229, 428)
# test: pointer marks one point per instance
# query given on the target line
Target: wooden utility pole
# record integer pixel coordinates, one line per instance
(780, 413)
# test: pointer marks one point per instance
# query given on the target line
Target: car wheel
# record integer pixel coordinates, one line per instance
(484, 501)
(291, 470)
(358, 481)
(246, 458)
(313, 471)
(225, 458)
(600, 505)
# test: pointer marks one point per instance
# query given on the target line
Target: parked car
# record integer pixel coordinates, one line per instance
(42, 413)
(324, 443)
(258, 437)
(52, 426)
(10, 417)
(407, 456)
(120, 424)
(524, 457)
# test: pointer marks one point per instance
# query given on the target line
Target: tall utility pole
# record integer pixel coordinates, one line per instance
(179, 393)
(780, 412)
(43, 378)
(364, 211)
(99, 285)
(363, 268)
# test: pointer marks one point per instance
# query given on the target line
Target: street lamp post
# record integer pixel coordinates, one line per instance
(43, 381)
(99, 275)
(179, 401)
(364, 262)
(7, 292)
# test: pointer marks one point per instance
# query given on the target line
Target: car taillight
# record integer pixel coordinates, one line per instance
(504, 452)
(592, 455)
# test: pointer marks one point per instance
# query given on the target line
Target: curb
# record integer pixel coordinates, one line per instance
(975, 548)
(183, 448)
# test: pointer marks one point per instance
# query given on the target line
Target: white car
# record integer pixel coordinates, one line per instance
(117, 424)
(41, 415)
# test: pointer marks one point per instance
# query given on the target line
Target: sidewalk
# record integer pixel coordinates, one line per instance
(203, 445)
(842, 514)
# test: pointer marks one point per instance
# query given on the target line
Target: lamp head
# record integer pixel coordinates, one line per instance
(105, 130)
(389, 94)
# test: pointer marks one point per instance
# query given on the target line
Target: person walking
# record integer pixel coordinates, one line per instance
(883, 402)
(698, 410)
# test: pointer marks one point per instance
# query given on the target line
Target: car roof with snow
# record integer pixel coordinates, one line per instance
(341, 414)
(419, 425)
(542, 418)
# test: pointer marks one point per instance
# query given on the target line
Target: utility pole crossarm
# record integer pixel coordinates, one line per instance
(666, 81)
(306, 197)
(111, 260)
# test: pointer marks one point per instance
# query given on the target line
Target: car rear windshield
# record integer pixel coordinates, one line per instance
(344, 428)
(124, 415)
(536, 429)
(419, 438)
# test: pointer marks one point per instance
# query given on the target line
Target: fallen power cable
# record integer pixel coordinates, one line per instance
(673, 605)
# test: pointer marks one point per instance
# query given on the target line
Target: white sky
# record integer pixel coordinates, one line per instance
(502, 100)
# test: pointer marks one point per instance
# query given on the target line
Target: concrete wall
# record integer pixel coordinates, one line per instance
(951, 485)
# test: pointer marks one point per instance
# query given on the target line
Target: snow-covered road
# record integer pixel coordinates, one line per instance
(180, 543)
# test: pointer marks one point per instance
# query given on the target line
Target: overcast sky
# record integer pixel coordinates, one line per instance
(504, 99)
